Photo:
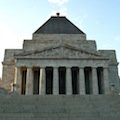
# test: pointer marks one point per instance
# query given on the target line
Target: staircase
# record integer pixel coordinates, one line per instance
(89, 107)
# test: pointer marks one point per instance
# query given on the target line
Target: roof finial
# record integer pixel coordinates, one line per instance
(58, 14)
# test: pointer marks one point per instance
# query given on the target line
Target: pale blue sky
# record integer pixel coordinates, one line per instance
(99, 19)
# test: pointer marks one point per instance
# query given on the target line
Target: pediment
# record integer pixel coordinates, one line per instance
(60, 52)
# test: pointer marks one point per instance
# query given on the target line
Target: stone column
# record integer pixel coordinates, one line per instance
(29, 81)
(68, 81)
(94, 81)
(17, 80)
(106, 81)
(55, 81)
(42, 86)
(81, 81)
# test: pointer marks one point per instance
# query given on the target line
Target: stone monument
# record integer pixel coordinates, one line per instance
(60, 60)
(59, 74)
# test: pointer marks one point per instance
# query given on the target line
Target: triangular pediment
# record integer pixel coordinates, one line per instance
(62, 51)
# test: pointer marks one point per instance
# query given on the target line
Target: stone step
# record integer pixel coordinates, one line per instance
(59, 107)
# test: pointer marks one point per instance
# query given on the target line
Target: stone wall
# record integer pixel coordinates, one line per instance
(59, 37)
(9, 68)
(40, 41)
(114, 79)
(29, 45)
(8, 76)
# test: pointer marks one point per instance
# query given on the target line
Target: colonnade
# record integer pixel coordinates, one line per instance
(61, 80)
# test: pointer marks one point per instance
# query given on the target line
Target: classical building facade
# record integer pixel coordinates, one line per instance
(60, 60)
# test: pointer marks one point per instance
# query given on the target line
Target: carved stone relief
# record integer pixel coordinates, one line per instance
(63, 52)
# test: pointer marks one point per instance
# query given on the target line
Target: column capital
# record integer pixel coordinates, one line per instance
(68, 67)
(18, 66)
(94, 67)
(55, 67)
(42, 67)
(106, 67)
(81, 67)
(29, 67)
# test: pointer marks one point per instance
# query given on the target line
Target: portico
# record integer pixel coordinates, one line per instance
(62, 80)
